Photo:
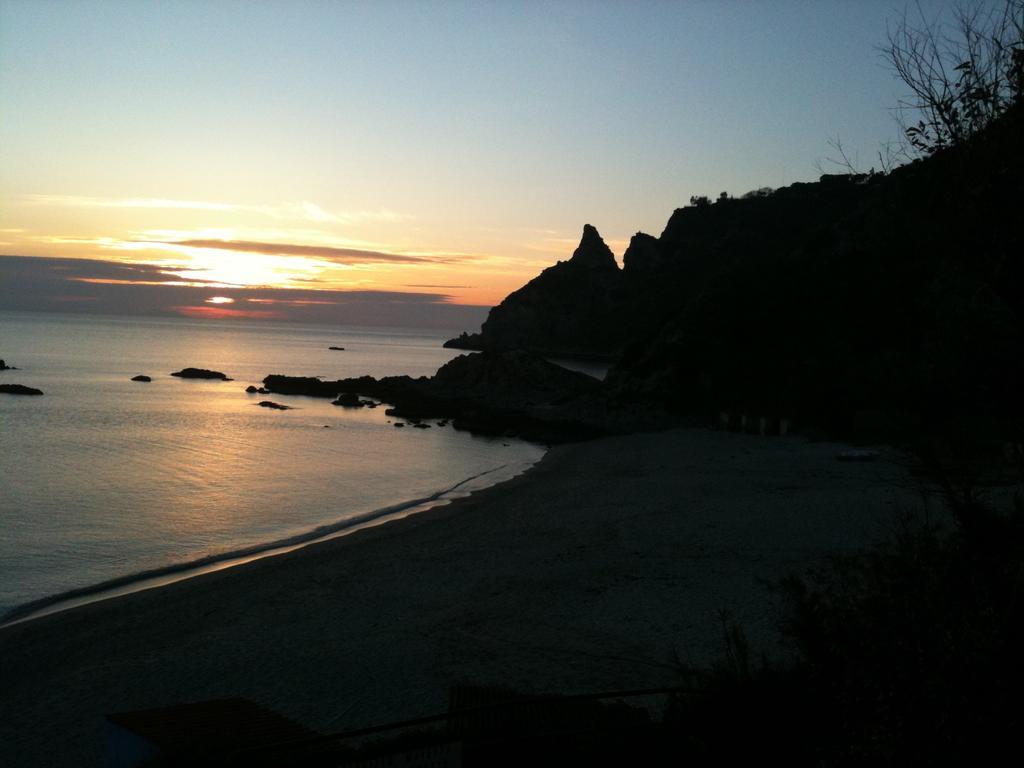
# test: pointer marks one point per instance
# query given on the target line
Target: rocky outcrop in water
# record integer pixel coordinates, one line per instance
(5, 367)
(348, 400)
(275, 406)
(513, 393)
(201, 373)
(142, 377)
(470, 341)
(18, 389)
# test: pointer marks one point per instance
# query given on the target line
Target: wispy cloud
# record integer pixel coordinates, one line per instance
(301, 210)
(99, 242)
(349, 256)
(430, 285)
(197, 283)
(76, 201)
(292, 302)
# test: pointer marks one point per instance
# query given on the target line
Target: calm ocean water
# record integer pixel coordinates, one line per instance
(103, 477)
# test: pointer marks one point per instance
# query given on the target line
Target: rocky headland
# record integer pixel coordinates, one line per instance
(573, 309)
(495, 393)
(875, 307)
(871, 305)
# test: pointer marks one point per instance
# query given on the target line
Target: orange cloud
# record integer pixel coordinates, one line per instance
(219, 313)
(118, 281)
(341, 255)
(291, 302)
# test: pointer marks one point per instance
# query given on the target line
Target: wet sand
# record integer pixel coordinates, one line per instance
(604, 567)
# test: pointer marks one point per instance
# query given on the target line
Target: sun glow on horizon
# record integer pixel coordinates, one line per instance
(229, 245)
(243, 269)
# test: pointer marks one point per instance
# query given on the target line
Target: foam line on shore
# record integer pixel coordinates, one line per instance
(169, 574)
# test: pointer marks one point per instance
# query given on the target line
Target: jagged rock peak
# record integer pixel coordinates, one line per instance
(592, 251)
(643, 254)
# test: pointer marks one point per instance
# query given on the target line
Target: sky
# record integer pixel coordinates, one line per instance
(434, 155)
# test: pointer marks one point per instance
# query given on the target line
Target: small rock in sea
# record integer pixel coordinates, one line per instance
(337, 349)
(443, 423)
(141, 377)
(421, 425)
(348, 400)
(200, 373)
(272, 404)
(5, 367)
(399, 424)
(327, 426)
(19, 389)
(252, 390)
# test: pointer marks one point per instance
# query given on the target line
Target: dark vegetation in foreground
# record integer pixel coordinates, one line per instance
(905, 655)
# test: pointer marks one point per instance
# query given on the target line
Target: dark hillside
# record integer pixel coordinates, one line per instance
(892, 299)
(901, 294)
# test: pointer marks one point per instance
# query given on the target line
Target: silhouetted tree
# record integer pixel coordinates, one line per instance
(700, 200)
(960, 80)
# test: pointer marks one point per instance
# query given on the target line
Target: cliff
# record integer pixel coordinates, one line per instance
(897, 299)
(572, 309)
(897, 295)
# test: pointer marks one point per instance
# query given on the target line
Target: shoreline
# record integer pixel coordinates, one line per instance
(604, 567)
(162, 576)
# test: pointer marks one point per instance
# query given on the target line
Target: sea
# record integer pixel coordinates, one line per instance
(109, 485)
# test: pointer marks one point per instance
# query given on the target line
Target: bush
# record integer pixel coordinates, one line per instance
(960, 81)
(914, 649)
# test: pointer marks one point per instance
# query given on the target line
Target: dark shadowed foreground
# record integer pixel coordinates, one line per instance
(605, 567)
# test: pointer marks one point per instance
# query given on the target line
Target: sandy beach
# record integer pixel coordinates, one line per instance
(604, 567)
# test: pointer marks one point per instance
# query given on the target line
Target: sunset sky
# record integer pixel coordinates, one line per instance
(443, 149)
